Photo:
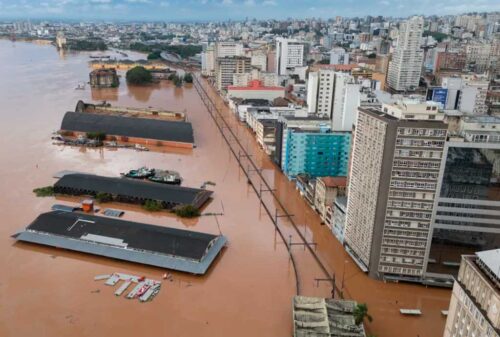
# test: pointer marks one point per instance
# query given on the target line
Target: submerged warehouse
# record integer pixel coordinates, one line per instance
(132, 191)
(164, 247)
(130, 129)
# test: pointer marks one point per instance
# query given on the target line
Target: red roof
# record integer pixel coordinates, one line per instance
(254, 85)
(334, 181)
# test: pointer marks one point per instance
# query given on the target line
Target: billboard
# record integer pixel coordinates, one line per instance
(440, 95)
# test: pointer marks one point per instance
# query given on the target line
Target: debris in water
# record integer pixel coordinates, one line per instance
(144, 290)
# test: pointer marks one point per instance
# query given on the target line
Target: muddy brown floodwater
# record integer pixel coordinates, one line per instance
(248, 290)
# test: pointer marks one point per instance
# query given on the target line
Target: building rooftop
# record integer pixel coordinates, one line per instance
(137, 189)
(491, 260)
(145, 128)
(318, 317)
(125, 240)
(255, 85)
(334, 181)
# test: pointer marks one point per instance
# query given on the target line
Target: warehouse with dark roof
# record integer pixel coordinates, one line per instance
(131, 191)
(131, 129)
(159, 246)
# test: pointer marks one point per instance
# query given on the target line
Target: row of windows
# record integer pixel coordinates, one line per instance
(405, 233)
(413, 184)
(419, 142)
(422, 132)
(416, 164)
(400, 270)
(403, 243)
(410, 204)
(418, 153)
(403, 251)
(415, 174)
(406, 224)
(402, 260)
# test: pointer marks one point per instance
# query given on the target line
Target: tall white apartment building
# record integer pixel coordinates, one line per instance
(406, 64)
(395, 164)
(289, 54)
(208, 61)
(335, 95)
(346, 101)
(475, 301)
(320, 89)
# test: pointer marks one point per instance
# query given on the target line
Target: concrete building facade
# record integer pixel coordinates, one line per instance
(392, 185)
(475, 301)
(226, 67)
(406, 64)
(289, 54)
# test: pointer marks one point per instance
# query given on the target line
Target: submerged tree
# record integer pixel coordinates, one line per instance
(188, 78)
(139, 75)
(361, 312)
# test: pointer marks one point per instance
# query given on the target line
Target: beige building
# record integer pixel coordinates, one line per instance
(392, 185)
(227, 67)
(327, 189)
(475, 301)
(406, 65)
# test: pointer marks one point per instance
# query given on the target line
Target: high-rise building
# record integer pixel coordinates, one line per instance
(475, 300)
(289, 54)
(346, 101)
(466, 216)
(227, 66)
(208, 61)
(406, 64)
(394, 169)
(335, 95)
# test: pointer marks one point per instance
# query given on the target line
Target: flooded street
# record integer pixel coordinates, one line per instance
(247, 291)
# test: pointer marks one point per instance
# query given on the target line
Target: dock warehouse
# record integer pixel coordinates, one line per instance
(131, 129)
(131, 191)
(165, 247)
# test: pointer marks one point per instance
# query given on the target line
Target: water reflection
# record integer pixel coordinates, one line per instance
(142, 93)
(104, 94)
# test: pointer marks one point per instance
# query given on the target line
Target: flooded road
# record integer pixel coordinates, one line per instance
(247, 292)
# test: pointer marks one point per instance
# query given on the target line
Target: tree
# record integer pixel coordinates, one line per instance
(139, 75)
(47, 191)
(103, 197)
(152, 206)
(188, 78)
(99, 136)
(361, 312)
(187, 211)
(154, 55)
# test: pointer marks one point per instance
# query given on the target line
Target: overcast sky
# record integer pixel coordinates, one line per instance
(186, 10)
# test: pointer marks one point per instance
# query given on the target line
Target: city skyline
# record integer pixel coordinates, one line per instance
(223, 10)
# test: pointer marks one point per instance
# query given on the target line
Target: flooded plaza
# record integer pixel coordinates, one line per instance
(248, 290)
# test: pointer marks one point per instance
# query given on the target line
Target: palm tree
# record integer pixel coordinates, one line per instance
(360, 312)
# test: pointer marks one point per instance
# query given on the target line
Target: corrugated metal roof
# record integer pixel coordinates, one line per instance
(128, 126)
(135, 188)
(491, 259)
(142, 243)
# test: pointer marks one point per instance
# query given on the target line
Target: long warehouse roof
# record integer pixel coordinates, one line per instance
(146, 128)
(135, 188)
(125, 240)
